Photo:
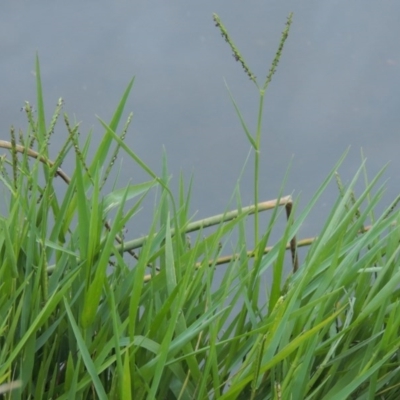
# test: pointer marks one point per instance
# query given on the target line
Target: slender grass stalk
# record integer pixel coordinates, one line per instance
(256, 141)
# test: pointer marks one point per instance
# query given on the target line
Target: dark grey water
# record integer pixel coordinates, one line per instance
(337, 86)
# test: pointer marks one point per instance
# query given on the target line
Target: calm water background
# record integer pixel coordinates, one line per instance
(337, 86)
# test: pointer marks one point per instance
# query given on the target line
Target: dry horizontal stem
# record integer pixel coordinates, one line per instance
(251, 253)
(214, 220)
(32, 153)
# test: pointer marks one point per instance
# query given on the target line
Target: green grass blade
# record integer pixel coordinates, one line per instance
(85, 355)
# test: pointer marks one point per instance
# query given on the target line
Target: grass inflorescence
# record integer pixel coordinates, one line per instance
(87, 313)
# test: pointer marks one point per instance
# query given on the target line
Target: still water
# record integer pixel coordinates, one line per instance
(337, 86)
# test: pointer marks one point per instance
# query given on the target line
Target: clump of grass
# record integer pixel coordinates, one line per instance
(81, 320)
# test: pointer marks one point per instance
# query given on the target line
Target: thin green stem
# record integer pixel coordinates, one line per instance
(257, 166)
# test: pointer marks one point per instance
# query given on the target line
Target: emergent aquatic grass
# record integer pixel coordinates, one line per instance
(86, 313)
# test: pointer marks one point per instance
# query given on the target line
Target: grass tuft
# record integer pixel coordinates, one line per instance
(187, 311)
